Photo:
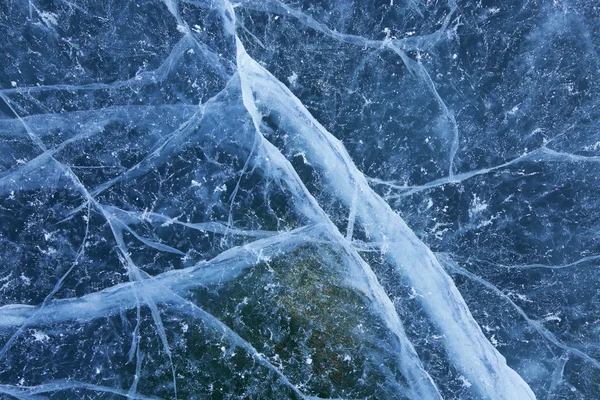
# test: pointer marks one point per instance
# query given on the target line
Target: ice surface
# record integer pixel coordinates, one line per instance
(311, 199)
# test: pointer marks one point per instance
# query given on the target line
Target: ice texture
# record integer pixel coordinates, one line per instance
(267, 199)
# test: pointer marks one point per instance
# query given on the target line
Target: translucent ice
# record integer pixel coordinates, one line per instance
(273, 199)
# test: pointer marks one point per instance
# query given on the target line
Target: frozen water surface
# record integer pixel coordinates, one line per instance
(267, 199)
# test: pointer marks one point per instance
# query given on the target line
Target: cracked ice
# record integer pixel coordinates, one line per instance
(273, 199)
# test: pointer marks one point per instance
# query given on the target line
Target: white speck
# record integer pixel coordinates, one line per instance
(347, 358)
(98, 370)
(196, 183)
(276, 17)
(49, 251)
(571, 87)
(522, 297)
(223, 349)
(494, 341)
(184, 327)
(413, 293)
(519, 296)
(494, 10)
(13, 84)
(181, 28)
(40, 336)
(454, 56)
(21, 381)
(293, 79)
(25, 279)
(221, 188)
(464, 381)
(308, 361)
(191, 51)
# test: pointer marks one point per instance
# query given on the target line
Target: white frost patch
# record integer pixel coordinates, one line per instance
(465, 381)
(523, 298)
(40, 336)
(552, 317)
(513, 111)
(13, 83)
(429, 204)
(221, 188)
(293, 79)
(263, 258)
(519, 296)
(494, 341)
(48, 18)
(25, 279)
(267, 287)
(477, 206)
(308, 361)
(303, 155)
(49, 251)
(488, 221)
(439, 229)
(595, 146)
(413, 293)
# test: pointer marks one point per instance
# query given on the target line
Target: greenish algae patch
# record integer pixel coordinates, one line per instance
(300, 314)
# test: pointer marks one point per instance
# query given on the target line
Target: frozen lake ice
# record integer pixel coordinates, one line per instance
(267, 199)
